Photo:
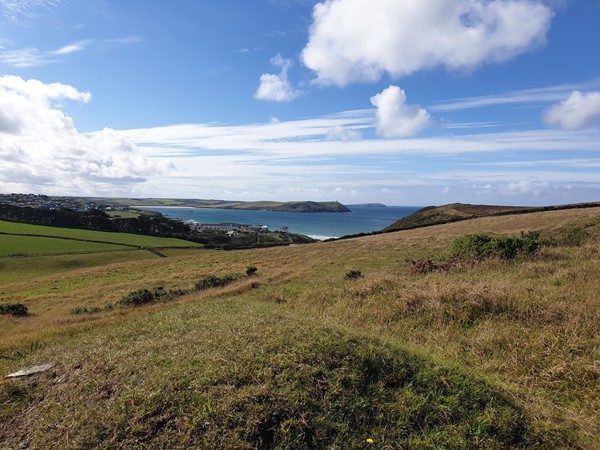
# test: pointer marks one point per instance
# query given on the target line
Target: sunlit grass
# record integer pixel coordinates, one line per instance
(529, 327)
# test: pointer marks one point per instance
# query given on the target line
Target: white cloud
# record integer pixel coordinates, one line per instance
(578, 111)
(357, 40)
(41, 150)
(339, 133)
(23, 11)
(395, 118)
(276, 87)
(26, 57)
(42, 93)
(534, 96)
(72, 48)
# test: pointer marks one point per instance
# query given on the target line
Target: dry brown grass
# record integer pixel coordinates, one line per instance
(531, 325)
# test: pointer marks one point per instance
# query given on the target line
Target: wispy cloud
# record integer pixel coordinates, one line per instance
(537, 96)
(73, 48)
(26, 57)
(24, 11)
(33, 57)
(125, 40)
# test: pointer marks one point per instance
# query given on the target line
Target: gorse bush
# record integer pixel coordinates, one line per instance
(213, 281)
(135, 298)
(91, 309)
(13, 309)
(143, 296)
(481, 246)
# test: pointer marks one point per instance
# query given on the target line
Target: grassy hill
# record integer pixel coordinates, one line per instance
(436, 215)
(487, 353)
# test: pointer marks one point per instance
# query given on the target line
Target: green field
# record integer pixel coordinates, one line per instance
(28, 245)
(33, 250)
(101, 236)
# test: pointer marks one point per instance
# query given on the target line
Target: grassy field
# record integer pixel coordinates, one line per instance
(98, 236)
(28, 245)
(28, 251)
(491, 354)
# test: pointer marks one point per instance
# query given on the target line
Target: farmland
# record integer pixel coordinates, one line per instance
(492, 353)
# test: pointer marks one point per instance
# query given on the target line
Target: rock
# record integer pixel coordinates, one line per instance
(31, 371)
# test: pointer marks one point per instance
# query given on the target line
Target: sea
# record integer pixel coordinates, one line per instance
(361, 219)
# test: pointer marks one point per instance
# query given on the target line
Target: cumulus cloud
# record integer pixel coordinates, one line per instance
(357, 40)
(580, 110)
(276, 87)
(395, 118)
(41, 150)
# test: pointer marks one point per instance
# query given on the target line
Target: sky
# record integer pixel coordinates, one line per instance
(401, 102)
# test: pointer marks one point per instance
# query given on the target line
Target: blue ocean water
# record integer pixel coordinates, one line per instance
(319, 225)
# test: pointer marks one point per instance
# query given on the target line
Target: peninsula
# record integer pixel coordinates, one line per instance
(301, 207)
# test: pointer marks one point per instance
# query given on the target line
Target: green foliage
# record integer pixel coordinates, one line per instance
(251, 270)
(571, 237)
(144, 296)
(354, 274)
(213, 281)
(136, 298)
(13, 309)
(481, 246)
(91, 309)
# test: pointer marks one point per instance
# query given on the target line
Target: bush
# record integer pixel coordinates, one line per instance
(354, 274)
(213, 281)
(91, 309)
(13, 309)
(136, 298)
(251, 270)
(480, 246)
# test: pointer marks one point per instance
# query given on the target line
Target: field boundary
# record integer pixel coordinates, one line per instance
(153, 250)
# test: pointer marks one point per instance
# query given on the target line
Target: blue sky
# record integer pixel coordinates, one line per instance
(393, 101)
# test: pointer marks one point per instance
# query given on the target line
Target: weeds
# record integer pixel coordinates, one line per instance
(354, 274)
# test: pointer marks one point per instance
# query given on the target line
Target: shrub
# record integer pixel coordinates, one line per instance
(213, 281)
(480, 246)
(136, 298)
(13, 309)
(251, 270)
(353, 274)
(91, 309)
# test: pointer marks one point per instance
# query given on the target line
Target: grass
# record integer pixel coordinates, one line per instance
(100, 236)
(262, 378)
(518, 337)
(23, 269)
(28, 245)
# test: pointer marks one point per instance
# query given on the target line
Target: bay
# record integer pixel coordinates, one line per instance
(318, 225)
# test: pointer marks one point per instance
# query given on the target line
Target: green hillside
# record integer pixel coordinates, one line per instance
(436, 215)
(128, 239)
(385, 341)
